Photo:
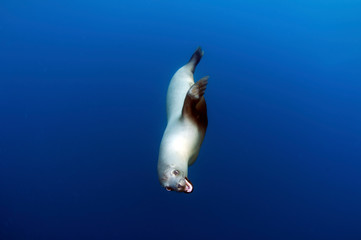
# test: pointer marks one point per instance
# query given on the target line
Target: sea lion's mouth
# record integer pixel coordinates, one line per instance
(189, 186)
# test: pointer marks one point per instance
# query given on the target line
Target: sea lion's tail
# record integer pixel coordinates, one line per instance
(196, 57)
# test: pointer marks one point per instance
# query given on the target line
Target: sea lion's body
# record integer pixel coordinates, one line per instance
(187, 124)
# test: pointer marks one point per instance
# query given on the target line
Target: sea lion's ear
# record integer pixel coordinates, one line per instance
(189, 186)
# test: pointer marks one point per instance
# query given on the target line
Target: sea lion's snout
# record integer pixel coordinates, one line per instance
(184, 185)
(175, 181)
(189, 186)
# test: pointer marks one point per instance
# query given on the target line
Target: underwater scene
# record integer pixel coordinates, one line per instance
(180, 119)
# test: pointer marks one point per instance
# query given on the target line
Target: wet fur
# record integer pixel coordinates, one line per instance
(187, 122)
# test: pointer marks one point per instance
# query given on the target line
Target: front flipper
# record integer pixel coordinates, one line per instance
(194, 106)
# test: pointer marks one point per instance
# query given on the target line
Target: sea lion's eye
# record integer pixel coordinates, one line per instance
(168, 188)
(176, 172)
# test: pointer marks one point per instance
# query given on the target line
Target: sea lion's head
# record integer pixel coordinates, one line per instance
(175, 180)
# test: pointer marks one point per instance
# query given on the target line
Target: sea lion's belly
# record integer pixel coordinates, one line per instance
(183, 138)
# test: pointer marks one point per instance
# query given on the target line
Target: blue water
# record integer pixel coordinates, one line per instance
(82, 113)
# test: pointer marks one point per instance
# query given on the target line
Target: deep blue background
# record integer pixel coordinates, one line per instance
(82, 113)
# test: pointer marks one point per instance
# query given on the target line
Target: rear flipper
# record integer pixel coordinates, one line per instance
(196, 57)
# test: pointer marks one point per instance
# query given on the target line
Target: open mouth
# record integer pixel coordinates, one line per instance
(189, 186)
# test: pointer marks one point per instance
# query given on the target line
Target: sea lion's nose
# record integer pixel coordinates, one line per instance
(181, 183)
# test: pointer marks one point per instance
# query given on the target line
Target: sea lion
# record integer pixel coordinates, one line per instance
(186, 127)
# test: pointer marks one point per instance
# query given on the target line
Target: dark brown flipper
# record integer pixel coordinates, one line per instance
(196, 57)
(194, 106)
